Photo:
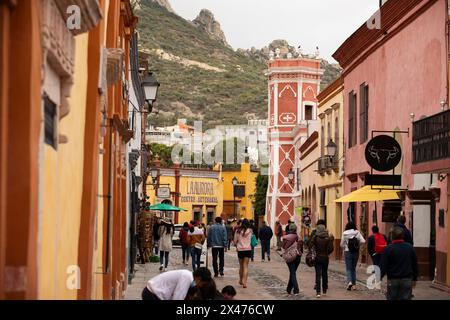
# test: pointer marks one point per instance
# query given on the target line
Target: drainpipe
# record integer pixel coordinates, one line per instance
(108, 227)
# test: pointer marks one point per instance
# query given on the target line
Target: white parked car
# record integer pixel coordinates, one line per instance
(176, 235)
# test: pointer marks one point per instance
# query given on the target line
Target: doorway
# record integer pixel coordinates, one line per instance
(432, 257)
(197, 213)
(210, 215)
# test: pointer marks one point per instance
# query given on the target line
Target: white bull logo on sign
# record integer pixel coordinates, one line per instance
(380, 154)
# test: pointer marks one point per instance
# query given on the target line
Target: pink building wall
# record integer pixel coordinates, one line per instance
(407, 74)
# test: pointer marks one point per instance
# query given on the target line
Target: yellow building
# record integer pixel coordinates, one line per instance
(329, 174)
(241, 201)
(198, 191)
(206, 194)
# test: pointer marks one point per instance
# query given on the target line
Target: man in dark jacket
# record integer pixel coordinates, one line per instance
(399, 264)
(265, 235)
(217, 240)
(374, 251)
(155, 233)
(401, 223)
(229, 229)
(323, 243)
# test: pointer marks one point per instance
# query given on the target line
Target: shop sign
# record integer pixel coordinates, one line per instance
(383, 153)
(163, 192)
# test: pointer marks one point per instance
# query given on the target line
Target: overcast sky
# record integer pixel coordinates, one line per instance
(256, 23)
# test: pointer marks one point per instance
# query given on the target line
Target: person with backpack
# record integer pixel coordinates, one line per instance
(376, 244)
(350, 241)
(323, 243)
(293, 251)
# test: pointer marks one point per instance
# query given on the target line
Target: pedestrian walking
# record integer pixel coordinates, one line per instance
(350, 241)
(166, 231)
(155, 234)
(399, 264)
(255, 233)
(322, 242)
(265, 235)
(217, 241)
(278, 234)
(376, 244)
(196, 238)
(184, 243)
(401, 223)
(229, 234)
(293, 251)
(242, 240)
(172, 285)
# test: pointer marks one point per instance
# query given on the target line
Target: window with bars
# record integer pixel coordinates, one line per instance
(50, 122)
(364, 112)
(352, 122)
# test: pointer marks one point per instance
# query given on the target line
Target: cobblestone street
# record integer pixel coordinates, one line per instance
(268, 280)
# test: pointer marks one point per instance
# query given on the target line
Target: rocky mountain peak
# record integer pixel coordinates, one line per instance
(206, 21)
(164, 4)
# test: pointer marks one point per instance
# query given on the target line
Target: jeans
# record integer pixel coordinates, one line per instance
(196, 255)
(218, 252)
(399, 289)
(164, 258)
(321, 267)
(351, 260)
(376, 259)
(293, 284)
(265, 248)
(229, 244)
(185, 252)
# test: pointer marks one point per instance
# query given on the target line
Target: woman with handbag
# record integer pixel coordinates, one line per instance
(195, 239)
(293, 250)
(166, 231)
(242, 240)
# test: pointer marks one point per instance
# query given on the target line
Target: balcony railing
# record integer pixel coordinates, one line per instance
(326, 164)
(431, 138)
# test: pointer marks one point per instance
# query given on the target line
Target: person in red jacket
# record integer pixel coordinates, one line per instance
(184, 243)
(376, 244)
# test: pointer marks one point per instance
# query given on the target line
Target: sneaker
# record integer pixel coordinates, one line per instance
(216, 275)
(318, 296)
(161, 268)
(324, 293)
(222, 274)
(263, 260)
(354, 287)
(268, 258)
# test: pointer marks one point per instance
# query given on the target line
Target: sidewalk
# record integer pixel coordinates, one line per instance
(423, 290)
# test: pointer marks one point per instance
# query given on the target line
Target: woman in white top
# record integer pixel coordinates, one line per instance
(172, 285)
(165, 243)
(350, 241)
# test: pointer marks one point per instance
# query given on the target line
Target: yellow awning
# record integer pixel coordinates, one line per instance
(378, 193)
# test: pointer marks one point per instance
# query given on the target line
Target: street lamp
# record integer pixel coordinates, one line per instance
(235, 182)
(150, 86)
(154, 172)
(291, 175)
(331, 149)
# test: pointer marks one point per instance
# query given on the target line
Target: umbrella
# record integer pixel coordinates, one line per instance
(165, 207)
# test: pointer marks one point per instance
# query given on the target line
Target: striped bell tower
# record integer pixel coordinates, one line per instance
(293, 85)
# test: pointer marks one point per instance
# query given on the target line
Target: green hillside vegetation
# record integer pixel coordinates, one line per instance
(221, 97)
(217, 98)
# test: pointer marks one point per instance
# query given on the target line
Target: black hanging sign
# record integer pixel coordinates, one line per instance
(383, 153)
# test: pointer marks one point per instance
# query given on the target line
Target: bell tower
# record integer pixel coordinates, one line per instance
(293, 86)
